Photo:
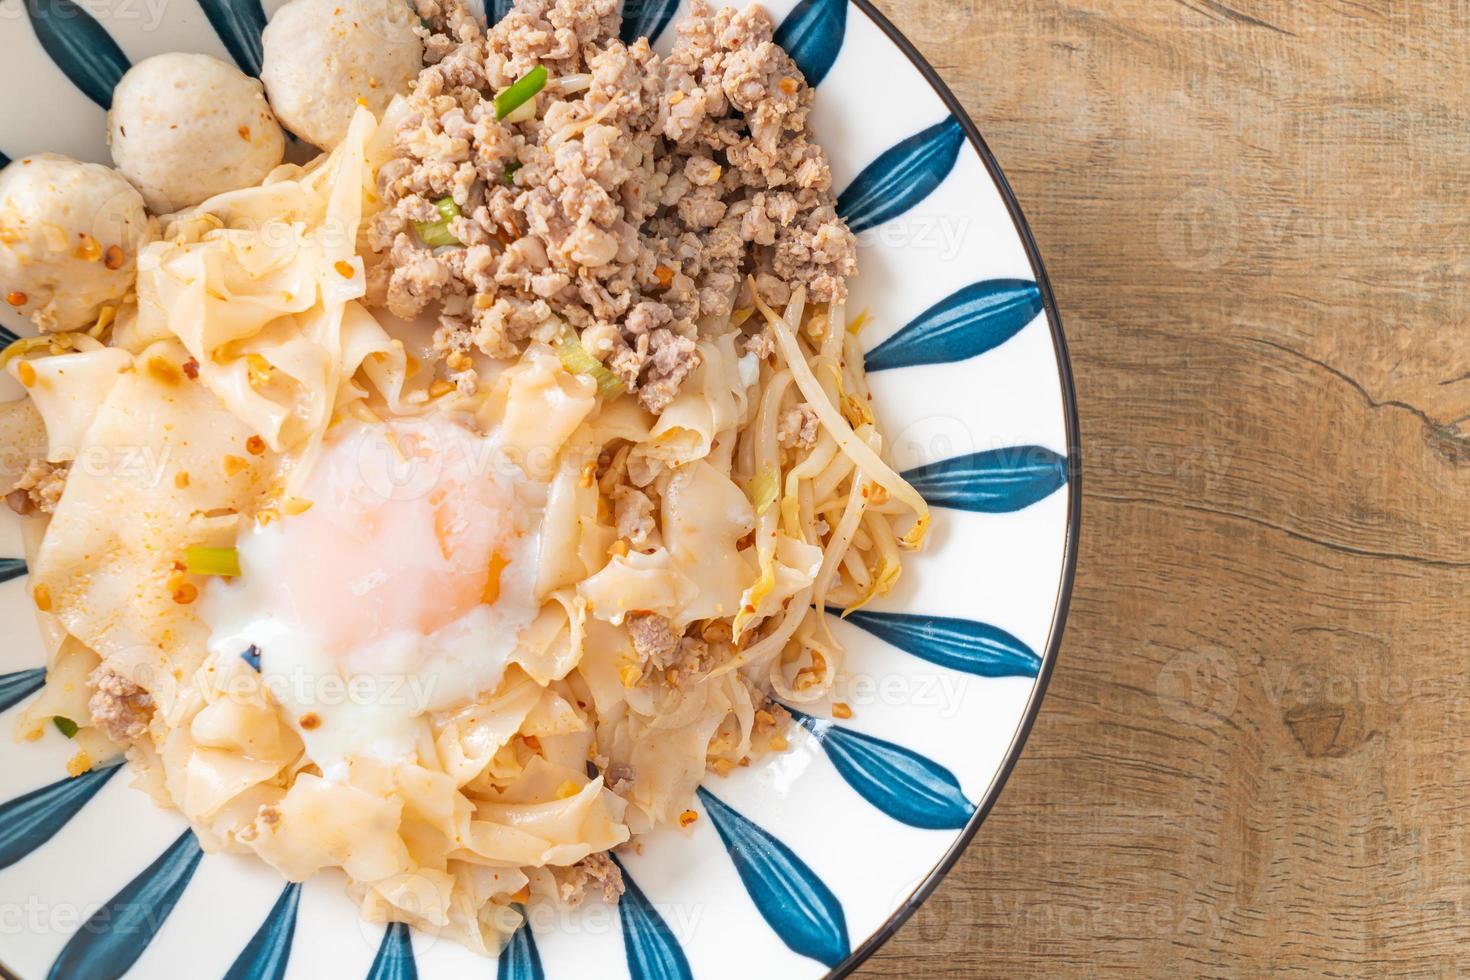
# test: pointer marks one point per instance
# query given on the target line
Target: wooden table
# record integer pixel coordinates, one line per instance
(1256, 214)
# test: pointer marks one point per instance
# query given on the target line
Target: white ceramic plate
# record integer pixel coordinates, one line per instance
(801, 864)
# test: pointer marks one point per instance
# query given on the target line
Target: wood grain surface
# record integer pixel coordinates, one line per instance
(1252, 757)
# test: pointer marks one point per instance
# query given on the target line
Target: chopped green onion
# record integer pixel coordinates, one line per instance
(523, 91)
(435, 234)
(212, 561)
(65, 726)
(525, 113)
(763, 490)
(510, 172)
(574, 358)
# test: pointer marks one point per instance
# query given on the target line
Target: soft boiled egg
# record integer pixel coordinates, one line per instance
(393, 584)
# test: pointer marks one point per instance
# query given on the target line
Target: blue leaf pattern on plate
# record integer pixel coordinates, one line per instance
(498, 10)
(110, 942)
(395, 956)
(966, 323)
(16, 687)
(269, 950)
(997, 481)
(649, 945)
(812, 34)
(646, 18)
(903, 784)
(238, 24)
(902, 176)
(7, 336)
(79, 46)
(519, 960)
(11, 568)
(789, 896)
(29, 821)
(959, 644)
(251, 655)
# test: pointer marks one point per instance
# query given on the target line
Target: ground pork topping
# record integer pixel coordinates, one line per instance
(629, 207)
(653, 640)
(39, 488)
(594, 874)
(633, 515)
(797, 427)
(620, 777)
(761, 345)
(120, 708)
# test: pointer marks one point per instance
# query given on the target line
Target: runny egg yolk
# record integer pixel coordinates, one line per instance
(407, 532)
(401, 590)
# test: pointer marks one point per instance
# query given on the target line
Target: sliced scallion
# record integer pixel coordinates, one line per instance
(435, 234)
(763, 490)
(522, 91)
(574, 358)
(510, 172)
(212, 561)
(65, 726)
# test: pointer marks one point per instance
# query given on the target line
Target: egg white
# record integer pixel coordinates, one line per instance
(365, 608)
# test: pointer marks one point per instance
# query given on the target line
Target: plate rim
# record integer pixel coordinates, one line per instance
(951, 857)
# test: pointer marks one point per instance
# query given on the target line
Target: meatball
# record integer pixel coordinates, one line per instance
(323, 58)
(70, 233)
(185, 127)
